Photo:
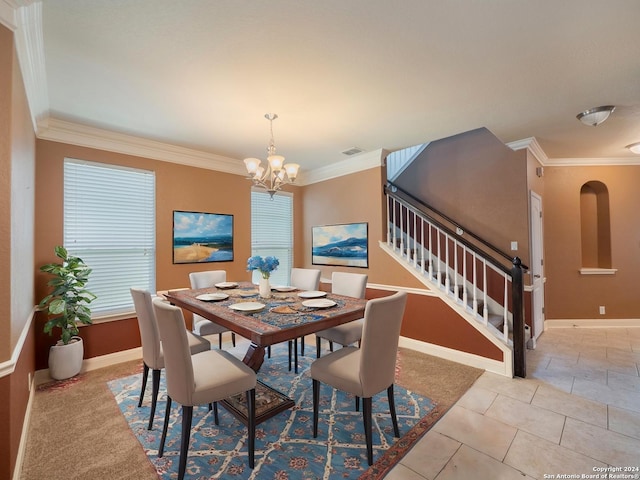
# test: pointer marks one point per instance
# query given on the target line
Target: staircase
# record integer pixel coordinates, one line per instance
(455, 265)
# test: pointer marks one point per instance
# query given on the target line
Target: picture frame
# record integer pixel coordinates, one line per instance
(345, 245)
(200, 237)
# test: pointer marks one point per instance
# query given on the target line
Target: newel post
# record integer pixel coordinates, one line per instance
(519, 347)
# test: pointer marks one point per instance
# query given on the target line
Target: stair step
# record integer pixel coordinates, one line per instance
(496, 320)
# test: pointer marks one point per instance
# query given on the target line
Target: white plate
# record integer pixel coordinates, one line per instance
(247, 306)
(282, 288)
(212, 297)
(226, 285)
(312, 294)
(319, 303)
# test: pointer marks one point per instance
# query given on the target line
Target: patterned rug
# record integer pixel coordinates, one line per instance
(285, 447)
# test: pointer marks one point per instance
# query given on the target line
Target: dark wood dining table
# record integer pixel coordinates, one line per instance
(283, 318)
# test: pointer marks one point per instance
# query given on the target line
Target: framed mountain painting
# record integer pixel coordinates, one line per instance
(344, 245)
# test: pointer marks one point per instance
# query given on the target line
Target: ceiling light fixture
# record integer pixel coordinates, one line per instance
(276, 174)
(595, 116)
(634, 147)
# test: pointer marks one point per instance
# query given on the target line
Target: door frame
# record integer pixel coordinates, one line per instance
(537, 265)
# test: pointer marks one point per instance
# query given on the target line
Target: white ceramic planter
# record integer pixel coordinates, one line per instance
(65, 361)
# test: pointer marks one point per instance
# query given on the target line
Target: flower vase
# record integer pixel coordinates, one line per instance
(264, 288)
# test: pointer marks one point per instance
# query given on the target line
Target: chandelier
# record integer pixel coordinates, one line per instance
(276, 173)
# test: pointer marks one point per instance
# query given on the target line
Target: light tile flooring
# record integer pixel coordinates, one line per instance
(576, 415)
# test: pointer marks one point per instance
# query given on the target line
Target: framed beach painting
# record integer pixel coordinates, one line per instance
(200, 237)
(344, 245)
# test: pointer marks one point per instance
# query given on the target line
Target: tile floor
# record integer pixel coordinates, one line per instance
(576, 415)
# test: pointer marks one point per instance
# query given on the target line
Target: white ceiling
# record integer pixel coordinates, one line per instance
(346, 73)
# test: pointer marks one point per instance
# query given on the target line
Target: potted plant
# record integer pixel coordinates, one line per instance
(66, 305)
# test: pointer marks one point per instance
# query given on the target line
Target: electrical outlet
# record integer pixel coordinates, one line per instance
(602, 310)
(514, 246)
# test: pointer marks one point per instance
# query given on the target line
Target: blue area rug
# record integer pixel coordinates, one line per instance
(285, 447)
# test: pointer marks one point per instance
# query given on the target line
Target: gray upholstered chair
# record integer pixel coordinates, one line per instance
(152, 352)
(350, 285)
(201, 325)
(305, 279)
(367, 370)
(199, 379)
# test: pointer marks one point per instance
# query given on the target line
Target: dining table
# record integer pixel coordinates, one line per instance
(287, 314)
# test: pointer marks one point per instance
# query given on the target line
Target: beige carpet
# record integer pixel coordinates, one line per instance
(77, 431)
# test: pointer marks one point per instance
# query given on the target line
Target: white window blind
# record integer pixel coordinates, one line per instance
(109, 222)
(272, 232)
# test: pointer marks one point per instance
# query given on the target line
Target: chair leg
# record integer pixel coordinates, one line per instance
(145, 374)
(290, 343)
(392, 409)
(318, 346)
(269, 352)
(316, 399)
(155, 387)
(215, 413)
(251, 425)
(366, 415)
(302, 346)
(167, 414)
(187, 415)
(357, 403)
(233, 339)
(330, 345)
(220, 341)
(295, 354)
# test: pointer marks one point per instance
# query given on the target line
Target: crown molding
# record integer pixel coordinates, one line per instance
(30, 49)
(532, 145)
(593, 162)
(357, 163)
(8, 10)
(57, 130)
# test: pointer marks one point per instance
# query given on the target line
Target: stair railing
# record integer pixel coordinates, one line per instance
(460, 267)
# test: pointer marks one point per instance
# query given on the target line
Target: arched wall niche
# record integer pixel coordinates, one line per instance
(595, 225)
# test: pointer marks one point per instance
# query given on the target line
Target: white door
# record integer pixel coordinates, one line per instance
(537, 265)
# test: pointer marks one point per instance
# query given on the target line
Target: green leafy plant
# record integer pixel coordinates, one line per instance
(67, 304)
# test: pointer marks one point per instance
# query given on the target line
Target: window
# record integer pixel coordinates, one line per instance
(109, 222)
(272, 232)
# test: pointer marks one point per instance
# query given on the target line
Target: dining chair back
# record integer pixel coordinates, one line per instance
(199, 379)
(350, 285)
(367, 370)
(201, 325)
(152, 352)
(306, 279)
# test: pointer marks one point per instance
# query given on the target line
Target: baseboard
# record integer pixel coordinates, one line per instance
(42, 376)
(591, 323)
(17, 471)
(501, 368)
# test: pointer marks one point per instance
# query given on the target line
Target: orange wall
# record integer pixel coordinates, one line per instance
(178, 187)
(478, 182)
(17, 159)
(570, 295)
